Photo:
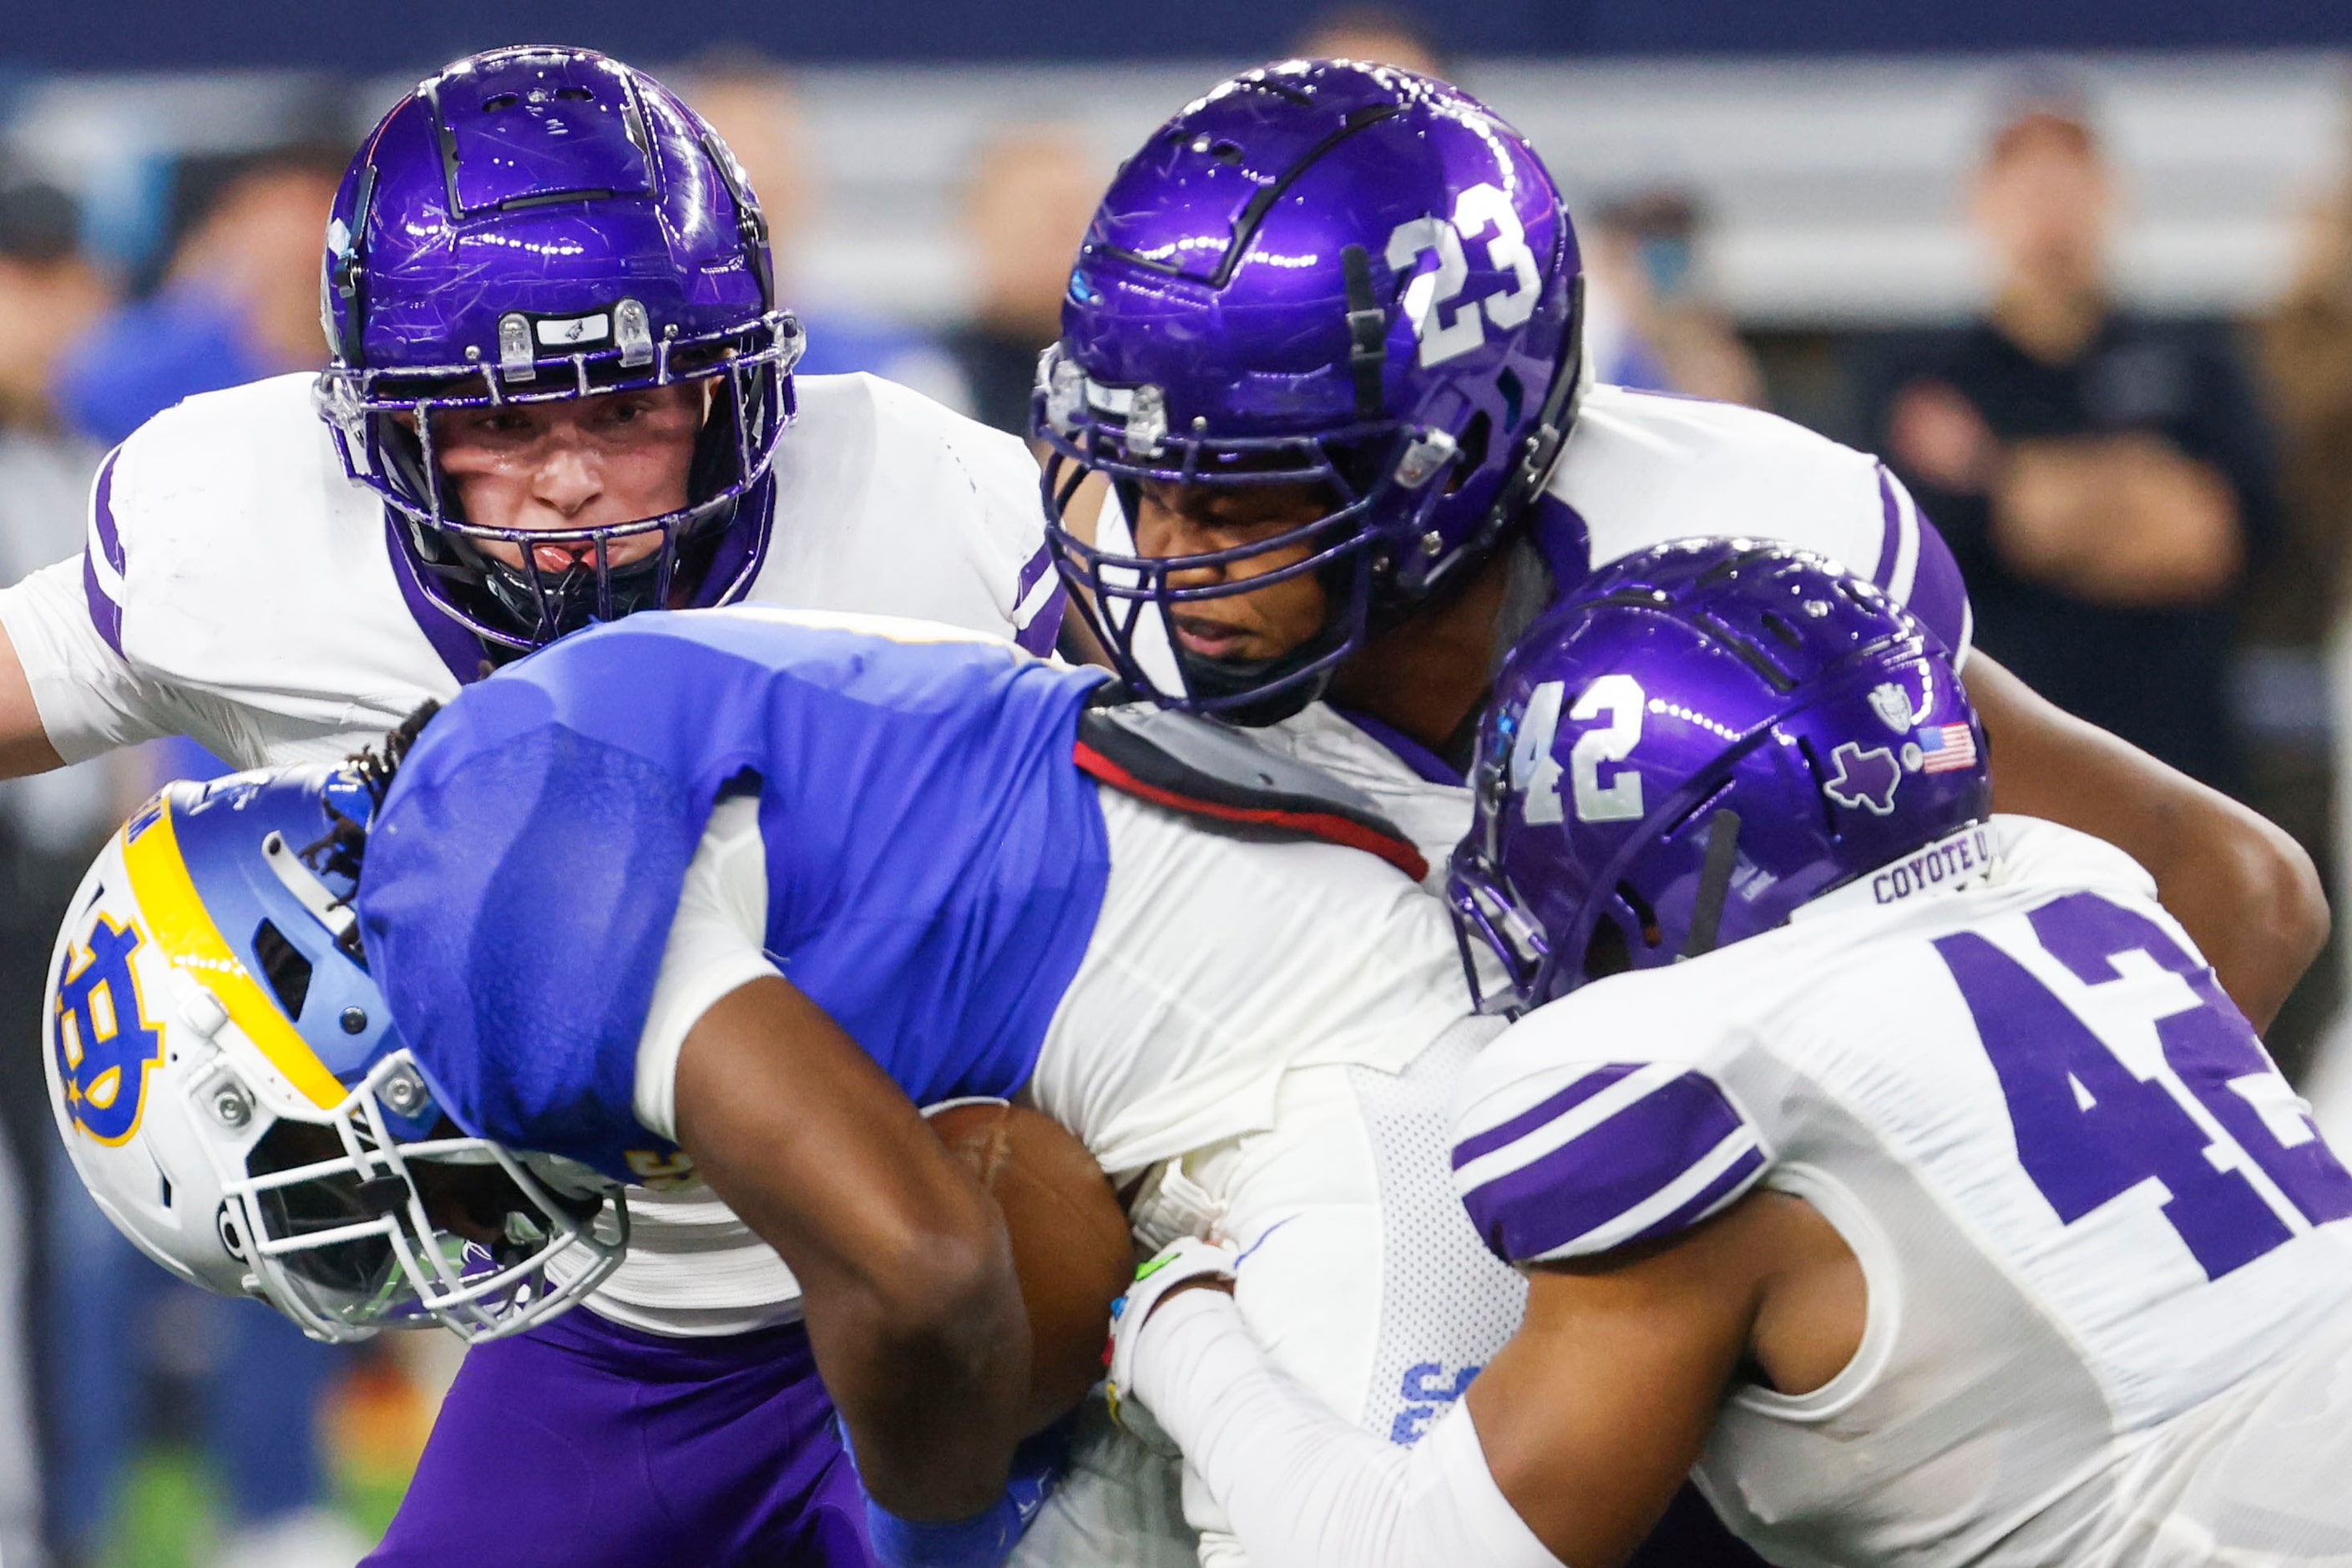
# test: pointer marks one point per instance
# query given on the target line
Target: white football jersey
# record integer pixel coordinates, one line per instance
(237, 588)
(2100, 1234)
(1218, 963)
(1638, 470)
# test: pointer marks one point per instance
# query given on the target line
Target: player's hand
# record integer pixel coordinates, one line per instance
(1184, 1263)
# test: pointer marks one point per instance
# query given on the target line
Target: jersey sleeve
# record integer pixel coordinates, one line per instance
(1006, 536)
(1917, 566)
(64, 621)
(1641, 469)
(714, 947)
(1587, 1127)
(518, 892)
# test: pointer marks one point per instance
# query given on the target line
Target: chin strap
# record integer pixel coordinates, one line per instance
(1714, 883)
(1368, 332)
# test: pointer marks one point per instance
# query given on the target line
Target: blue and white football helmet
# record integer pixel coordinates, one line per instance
(231, 1089)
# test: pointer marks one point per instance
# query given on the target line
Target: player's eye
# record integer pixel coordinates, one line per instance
(634, 409)
(493, 425)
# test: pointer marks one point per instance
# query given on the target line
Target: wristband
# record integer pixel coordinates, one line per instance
(985, 1538)
(1185, 1261)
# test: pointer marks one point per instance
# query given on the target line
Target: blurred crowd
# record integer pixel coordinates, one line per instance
(2154, 516)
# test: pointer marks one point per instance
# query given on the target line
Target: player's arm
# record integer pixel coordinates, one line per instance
(1566, 1447)
(68, 693)
(2246, 892)
(912, 1306)
(23, 744)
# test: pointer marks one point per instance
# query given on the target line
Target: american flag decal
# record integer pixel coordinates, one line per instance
(1946, 747)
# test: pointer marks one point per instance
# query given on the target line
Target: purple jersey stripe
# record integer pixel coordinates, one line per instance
(1739, 1175)
(104, 612)
(101, 511)
(1032, 572)
(1043, 628)
(1550, 1110)
(1890, 540)
(1599, 1175)
(1938, 598)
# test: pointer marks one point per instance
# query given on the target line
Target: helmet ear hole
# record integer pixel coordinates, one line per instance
(283, 965)
(1652, 933)
(1470, 447)
(1606, 953)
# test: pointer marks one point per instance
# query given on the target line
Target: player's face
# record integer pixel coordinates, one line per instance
(1198, 519)
(588, 462)
(470, 1200)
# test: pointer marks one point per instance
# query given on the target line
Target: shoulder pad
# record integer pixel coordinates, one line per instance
(1207, 769)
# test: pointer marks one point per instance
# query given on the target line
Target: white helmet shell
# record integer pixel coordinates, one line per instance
(198, 1106)
(151, 1108)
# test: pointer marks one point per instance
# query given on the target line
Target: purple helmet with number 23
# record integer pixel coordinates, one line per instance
(1707, 736)
(1322, 272)
(537, 224)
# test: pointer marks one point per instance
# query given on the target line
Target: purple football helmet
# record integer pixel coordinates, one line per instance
(535, 224)
(1325, 273)
(1709, 735)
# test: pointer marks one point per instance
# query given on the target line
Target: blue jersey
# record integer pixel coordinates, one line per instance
(935, 859)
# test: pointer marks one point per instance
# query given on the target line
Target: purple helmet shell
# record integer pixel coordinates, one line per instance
(537, 224)
(1325, 273)
(1709, 735)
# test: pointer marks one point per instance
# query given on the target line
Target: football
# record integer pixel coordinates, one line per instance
(1070, 1245)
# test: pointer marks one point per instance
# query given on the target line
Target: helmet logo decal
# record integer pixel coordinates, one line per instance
(570, 332)
(1430, 294)
(105, 1045)
(1865, 780)
(1893, 706)
(1620, 698)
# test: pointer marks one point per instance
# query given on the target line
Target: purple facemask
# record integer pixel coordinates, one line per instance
(536, 225)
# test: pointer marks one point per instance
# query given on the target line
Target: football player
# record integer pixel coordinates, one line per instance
(752, 884)
(560, 389)
(1901, 1166)
(1323, 340)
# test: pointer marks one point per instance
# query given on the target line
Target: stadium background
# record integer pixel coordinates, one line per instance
(1778, 195)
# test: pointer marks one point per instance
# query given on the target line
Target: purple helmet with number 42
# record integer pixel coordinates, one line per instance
(533, 225)
(1707, 736)
(1322, 272)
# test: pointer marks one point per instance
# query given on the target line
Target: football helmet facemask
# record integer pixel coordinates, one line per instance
(231, 1089)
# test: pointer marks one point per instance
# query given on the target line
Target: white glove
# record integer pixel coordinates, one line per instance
(1183, 1261)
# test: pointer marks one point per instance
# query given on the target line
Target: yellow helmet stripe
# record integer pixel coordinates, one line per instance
(183, 929)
